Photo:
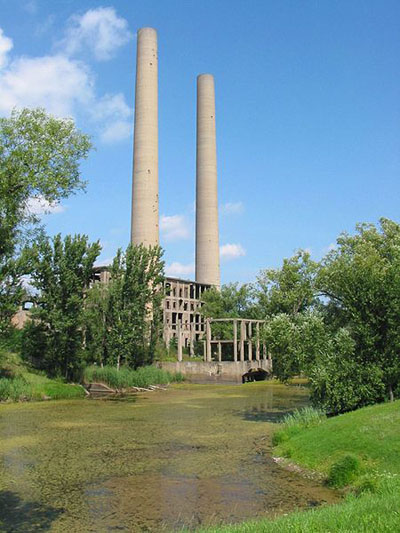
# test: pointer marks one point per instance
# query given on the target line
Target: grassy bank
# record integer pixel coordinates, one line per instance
(18, 382)
(125, 378)
(358, 451)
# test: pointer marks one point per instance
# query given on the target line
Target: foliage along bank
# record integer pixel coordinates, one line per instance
(334, 321)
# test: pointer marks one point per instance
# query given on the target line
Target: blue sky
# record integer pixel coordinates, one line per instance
(308, 115)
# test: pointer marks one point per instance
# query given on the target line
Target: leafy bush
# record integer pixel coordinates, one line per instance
(344, 471)
(340, 383)
(125, 377)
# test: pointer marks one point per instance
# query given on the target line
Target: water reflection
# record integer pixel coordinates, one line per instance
(20, 516)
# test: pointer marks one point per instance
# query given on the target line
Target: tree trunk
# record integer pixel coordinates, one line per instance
(391, 395)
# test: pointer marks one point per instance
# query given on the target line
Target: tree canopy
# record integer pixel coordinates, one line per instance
(124, 318)
(61, 271)
(39, 161)
(335, 321)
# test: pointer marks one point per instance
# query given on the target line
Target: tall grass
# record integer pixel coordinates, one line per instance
(15, 389)
(297, 421)
(125, 378)
(21, 388)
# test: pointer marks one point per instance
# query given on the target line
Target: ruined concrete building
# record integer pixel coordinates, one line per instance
(181, 308)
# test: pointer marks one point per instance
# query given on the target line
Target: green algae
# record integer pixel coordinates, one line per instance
(188, 456)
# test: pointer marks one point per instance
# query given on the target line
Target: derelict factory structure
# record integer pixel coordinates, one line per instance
(183, 300)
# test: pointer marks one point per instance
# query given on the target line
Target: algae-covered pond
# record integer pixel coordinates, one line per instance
(188, 456)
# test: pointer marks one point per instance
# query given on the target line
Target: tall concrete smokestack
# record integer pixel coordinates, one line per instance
(144, 224)
(207, 240)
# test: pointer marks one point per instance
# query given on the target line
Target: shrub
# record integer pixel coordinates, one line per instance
(344, 471)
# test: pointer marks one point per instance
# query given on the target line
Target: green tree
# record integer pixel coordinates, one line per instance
(281, 336)
(231, 301)
(96, 323)
(133, 312)
(39, 159)
(289, 289)
(11, 290)
(285, 297)
(61, 271)
(338, 381)
(361, 281)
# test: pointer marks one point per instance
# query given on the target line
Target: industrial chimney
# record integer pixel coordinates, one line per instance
(207, 239)
(144, 222)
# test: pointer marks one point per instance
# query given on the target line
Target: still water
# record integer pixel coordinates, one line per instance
(192, 455)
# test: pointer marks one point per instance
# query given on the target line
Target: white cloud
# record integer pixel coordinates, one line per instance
(99, 30)
(112, 105)
(231, 251)
(174, 227)
(54, 82)
(179, 269)
(114, 113)
(40, 206)
(232, 208)
(64, 87)
(116, 131)
(6, 45)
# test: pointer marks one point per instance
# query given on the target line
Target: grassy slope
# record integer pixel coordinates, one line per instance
(373, 434)
(24, 383)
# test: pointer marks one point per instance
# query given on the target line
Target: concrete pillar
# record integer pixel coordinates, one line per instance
(179, 335)
(219, 352)
(235, 346)
(207, 236)
(242, 338)
(257, 341)
(208, 339)
(144, 224)
(264, 352)
(192, 338)
(250, 344)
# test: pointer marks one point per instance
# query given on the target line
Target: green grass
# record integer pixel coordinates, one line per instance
(18, 382)
(125, 378)
(360, 450)
(372, 434)
(370, 512)
(296, 422)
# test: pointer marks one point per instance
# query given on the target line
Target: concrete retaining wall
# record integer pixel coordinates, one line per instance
(228, 369)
